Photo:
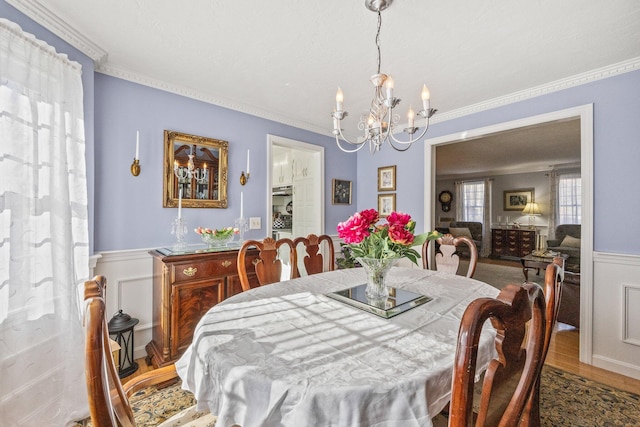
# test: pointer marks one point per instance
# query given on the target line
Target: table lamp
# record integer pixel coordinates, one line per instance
(532, 210)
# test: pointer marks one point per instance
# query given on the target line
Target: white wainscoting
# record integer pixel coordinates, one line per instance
(130, 288)
(616, 313)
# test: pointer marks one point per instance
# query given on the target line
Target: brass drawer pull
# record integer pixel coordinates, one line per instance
(190, 271)
(226, 263)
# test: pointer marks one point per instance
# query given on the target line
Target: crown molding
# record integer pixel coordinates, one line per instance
(632, 64)
(57, 26)
(200, 96)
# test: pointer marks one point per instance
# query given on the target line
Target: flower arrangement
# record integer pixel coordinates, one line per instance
(395, 239)
(216, 237)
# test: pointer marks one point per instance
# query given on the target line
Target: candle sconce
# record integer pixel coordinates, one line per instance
(135, 167)
(244, 178)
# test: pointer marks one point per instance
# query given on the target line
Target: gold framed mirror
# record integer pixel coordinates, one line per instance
(197, 166)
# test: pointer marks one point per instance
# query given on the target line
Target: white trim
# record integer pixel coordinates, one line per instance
(626, 312)
(57, 26)
(298, 145)
(585, 113)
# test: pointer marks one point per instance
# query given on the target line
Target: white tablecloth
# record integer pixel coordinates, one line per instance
(287, 355)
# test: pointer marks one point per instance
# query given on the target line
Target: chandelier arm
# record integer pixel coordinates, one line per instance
(405, 146)
(358, 148)
(411, 141)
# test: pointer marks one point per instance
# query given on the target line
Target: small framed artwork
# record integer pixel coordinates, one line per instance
(341, 194)
(387, 178)
(386, 204)
(516, 200)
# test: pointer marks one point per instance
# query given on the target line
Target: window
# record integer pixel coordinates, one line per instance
(569, 199)
(473, 201)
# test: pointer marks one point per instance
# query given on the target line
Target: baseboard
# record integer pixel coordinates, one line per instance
(617, 366)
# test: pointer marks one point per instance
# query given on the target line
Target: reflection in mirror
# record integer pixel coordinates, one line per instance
(195, 167)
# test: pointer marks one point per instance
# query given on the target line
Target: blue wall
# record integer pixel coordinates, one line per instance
(129, 212)
(616, 103)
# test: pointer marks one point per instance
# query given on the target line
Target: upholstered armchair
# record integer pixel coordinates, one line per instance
(567, 241)
(470, 229)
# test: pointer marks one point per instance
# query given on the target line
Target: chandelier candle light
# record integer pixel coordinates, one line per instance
(190, 172)
(378, 123)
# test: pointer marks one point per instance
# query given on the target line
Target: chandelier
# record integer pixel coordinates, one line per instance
(378, 123)
(190, 171)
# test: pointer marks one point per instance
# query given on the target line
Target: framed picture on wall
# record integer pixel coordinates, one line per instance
(341, 194)
(387, 178)
(386, 204)
(516, 200)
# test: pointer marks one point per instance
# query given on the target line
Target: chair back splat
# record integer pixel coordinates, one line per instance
(268, 266)
(447, 260)
(313, 260)
(553, 282)
(510, 378)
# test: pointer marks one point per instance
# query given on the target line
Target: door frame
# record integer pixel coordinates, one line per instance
(585, 114)
(296, 145)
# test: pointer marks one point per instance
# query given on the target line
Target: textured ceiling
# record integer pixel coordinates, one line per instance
(284, 60)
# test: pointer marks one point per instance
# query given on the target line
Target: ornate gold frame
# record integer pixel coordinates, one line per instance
(169, 188)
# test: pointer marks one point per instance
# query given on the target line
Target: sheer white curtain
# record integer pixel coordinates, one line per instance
(459, 197)
(486, 219)
(44, 233)
(553, 205)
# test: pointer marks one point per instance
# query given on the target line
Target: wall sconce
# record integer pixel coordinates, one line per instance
(135, 166)
(245, 177)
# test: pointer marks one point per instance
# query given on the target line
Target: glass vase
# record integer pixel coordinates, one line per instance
(377, 270)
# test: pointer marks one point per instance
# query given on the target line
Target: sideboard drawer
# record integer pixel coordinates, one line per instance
(194, 270)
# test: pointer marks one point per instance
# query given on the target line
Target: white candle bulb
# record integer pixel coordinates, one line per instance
(137, 145)
(411, 116)
(247, 162)
(339, 99)
(241, 204)
(425, 98)
(389, 85)
(180, 204)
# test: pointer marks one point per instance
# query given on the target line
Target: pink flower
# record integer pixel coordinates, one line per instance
(355, 229)
(398, 234)
(398, 218)
(370, 216)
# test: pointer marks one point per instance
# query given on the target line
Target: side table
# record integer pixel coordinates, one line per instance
(531, 262)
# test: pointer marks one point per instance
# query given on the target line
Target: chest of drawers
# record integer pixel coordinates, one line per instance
(512, 243)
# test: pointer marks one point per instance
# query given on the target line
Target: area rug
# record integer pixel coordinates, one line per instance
(499, 276)
(566, 400)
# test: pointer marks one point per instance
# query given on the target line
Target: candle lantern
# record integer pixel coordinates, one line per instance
(121, 330)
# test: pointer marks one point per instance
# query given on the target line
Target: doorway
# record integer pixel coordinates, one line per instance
(302, 168)
(585, 115)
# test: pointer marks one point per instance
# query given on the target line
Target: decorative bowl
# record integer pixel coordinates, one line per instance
(216, 241)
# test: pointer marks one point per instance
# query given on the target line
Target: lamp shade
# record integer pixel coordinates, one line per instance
(531, 209)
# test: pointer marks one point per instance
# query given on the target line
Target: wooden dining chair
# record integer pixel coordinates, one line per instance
(518, 314)
(109, 404)
(553, 282)
(314, 262)
(447, 260)
(268, 265)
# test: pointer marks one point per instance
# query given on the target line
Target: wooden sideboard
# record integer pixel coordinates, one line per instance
(185, 286)
(512, 242)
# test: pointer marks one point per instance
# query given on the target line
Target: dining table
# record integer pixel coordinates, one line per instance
(291, 354)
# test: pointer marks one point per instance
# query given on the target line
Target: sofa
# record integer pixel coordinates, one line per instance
(470, 229)
(567, 241)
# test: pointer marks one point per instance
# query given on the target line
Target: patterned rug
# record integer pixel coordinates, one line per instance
(566, 400)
